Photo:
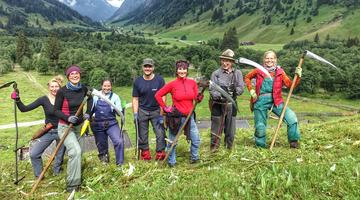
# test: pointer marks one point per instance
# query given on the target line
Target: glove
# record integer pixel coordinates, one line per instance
(160, 120)
(253, 94)
(298, 71)
(15, 96)
(232, 88)
(168, 109)
(199, 98)
(73, 119)
(86, 116)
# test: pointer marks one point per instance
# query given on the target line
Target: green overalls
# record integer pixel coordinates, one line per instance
(261, 107)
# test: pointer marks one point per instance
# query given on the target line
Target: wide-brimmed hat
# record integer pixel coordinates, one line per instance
(148, 61)
(228, 54)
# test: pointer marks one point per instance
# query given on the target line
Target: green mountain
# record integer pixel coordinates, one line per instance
(40, 14)
(265, 21)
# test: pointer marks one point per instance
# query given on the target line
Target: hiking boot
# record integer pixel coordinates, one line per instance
(171, 165)
(160, 155)
(104, 158)
(194, 161)
(71, 188)
(145, 154)
(294, 144)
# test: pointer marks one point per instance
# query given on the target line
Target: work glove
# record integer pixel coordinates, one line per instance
(168, 109)
(199, 98)
(86, 116)
(15, 96)
(253, 94)
(298, 71)
(73, 119)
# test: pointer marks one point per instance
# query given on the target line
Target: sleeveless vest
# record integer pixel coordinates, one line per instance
(277, 86)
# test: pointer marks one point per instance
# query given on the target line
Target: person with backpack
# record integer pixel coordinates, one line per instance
(104, 124)
(48, 133)
(146, 109)
(184, 91)
(67, 102)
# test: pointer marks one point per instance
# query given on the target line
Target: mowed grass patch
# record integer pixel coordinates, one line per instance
(325, 166)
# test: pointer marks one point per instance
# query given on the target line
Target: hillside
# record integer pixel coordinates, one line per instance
(97, 10)
(260, 21)
(127, 7)
(40, 14)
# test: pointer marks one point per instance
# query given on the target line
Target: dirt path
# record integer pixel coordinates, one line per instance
(35, 82)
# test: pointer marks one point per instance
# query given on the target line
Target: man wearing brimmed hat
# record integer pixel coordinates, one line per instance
(223, 112)
(146, 109)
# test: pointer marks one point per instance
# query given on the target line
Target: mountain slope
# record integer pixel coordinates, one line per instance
(260, 21)
(98, 10)
(40, 14)
(127, 7)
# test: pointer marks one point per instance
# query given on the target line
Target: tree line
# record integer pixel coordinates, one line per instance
(119, 58)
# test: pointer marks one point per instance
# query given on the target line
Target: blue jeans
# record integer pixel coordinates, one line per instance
(194, 138)
(38, 147)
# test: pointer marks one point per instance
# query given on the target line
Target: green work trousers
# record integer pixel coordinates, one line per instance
(73, 148)
(261, 108)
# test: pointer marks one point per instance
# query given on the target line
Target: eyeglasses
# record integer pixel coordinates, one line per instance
(148, 66)
(74, 73)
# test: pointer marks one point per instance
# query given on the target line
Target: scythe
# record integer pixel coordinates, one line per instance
(312, 56)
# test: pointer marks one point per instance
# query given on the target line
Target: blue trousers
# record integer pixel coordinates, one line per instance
(103, 130)
(38, 147)
(194, 138)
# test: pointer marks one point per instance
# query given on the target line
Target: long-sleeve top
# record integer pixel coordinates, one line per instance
(43, 101)
(252, 74)
(115, 99)
(183, 92)
(68, 101)
(225, 80)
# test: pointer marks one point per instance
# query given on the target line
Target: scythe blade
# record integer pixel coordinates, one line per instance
(254, 64)
(318, 58)
(214, 86)
(107, 100)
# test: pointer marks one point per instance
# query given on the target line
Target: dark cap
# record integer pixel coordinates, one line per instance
(72, 68)
(148, 61)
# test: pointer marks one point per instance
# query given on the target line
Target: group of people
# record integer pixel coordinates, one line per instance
(149, 105)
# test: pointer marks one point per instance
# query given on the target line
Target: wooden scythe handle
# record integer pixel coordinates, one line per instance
(66, 133)
(285, 105)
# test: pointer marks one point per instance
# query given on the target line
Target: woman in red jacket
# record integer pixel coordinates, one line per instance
(184, 92)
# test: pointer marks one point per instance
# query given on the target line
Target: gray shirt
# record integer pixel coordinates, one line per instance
(225, 80)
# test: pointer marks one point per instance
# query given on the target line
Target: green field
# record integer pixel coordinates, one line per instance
(325, 167)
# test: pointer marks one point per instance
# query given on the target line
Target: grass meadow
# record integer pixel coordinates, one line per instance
(326, 166)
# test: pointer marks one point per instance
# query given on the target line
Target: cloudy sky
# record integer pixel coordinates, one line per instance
(115, 3)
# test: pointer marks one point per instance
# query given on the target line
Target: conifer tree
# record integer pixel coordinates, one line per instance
(317, 38)
(230, 39)
(22, 47)
(53, 50)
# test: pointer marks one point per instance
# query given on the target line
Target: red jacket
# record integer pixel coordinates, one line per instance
(183, 92)
(280, 79)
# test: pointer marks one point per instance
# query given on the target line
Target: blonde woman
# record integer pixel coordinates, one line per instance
(49, 132)
(267, 96)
